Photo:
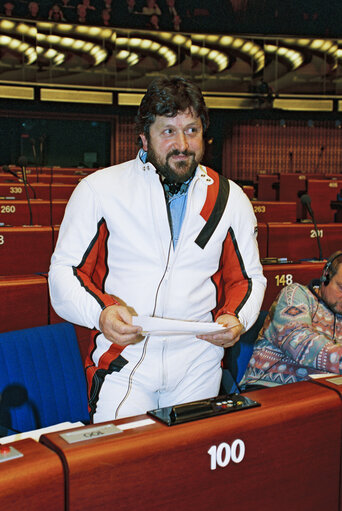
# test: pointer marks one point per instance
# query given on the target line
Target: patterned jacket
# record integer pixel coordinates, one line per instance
(301, 336)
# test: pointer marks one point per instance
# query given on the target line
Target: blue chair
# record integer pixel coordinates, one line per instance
(236, 358)
(42, 380)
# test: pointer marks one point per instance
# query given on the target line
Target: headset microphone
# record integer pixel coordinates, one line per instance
(326, 275)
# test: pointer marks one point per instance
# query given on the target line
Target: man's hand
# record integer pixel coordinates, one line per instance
(116, 325)
(226, 338)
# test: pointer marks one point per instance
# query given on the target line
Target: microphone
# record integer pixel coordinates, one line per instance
(41, 149)
(306, 201)
(33, 143)
(22, 162)
(6, 168)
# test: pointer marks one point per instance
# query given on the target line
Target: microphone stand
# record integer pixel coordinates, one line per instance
(306, 200)
(33, 143)
(6, 168)
(22, 163)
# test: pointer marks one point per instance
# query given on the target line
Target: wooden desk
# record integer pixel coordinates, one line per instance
(280, 275)
(24, 302)
(44, 212)
(45, 191)
(17, 190)
(299, 240)
(289, 458)
(25, 250)
(262, 239)
(289, 187)
(32, 482)
(55, 178)
(267, 211)
(267, 187)
(322, 192)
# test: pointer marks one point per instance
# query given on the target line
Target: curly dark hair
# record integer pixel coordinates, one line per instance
(168, 96)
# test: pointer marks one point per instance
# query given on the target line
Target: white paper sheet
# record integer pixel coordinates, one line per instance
(162, 326)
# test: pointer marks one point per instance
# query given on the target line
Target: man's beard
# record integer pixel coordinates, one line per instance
(335, 307)
(185, 169)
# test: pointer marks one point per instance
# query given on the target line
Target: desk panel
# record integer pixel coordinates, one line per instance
(25, 250)
(17, 190)
(280, 275)
(267, 189)
(262, 239)
(290, 185)
(299, 241)
(57, 210)
(32, 482)
(267, 211)
(16, 212)
(45, 191)
(24, 302)
(289, 451)
(61, 190)
(322, 192)
(54, 178)
(44, 212)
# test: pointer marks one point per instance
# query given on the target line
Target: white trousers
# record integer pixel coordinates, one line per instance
(160, 372)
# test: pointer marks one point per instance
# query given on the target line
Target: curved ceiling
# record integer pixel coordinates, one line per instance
(102, 57)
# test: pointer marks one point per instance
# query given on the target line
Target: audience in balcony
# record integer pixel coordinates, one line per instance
(170, 17)
(56, 13)
(69, 10)
(236, 16)
(151, 7)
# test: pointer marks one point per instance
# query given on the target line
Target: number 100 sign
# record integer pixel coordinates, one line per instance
(220, 455)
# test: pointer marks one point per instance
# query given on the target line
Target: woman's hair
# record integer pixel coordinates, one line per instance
(168, 97)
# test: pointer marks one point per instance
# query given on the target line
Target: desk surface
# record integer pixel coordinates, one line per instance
(34, 481)
(283, 455)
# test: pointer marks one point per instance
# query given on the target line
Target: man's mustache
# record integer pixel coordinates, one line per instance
(175, 152)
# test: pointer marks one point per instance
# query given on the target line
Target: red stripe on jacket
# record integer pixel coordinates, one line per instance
(93, 269)
(231, 281)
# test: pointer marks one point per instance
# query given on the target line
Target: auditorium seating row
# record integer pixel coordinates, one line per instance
(25, 298)
(322, 189)
(45, 191)
(298, 241)
(49, 209)
(36, 171)
(44, 212)
(28, 249)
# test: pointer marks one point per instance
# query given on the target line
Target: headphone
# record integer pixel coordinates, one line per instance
(326, 275)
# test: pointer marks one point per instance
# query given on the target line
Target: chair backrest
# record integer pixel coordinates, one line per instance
(42, 380)
(236, 358)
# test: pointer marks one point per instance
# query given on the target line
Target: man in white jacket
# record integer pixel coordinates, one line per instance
(160, 236)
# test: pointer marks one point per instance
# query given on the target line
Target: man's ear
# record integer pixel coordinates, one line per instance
(144, 141)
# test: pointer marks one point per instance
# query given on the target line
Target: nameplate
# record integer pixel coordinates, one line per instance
(9, 453)
(336, 381)
(90, 433)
